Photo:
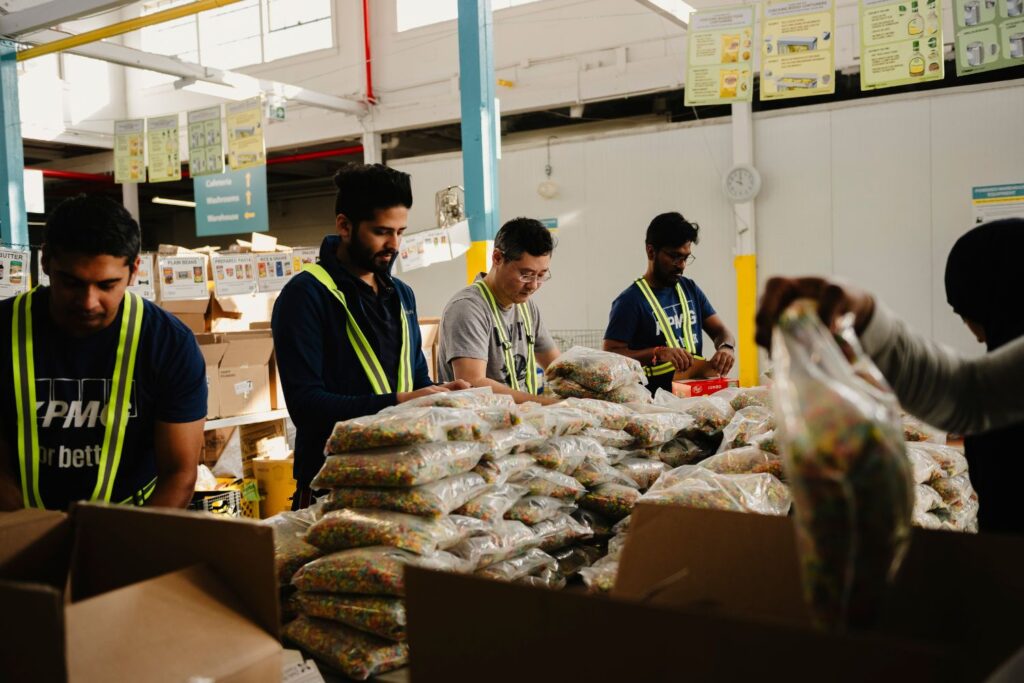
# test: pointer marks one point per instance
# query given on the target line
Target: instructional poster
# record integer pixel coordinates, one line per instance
(989, 35)
(145, 278)
(304, 256)
(425, 248)
(900, 43)
(129, 151)
(273, 271)
(205, 144)
(719, 63)
(164, 154)
(798, 49)
(14, 272)
(245, 133)
(182, 277)
(992, 202)
(233, 274)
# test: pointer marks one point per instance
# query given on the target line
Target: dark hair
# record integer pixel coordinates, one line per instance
(521, 235)
(366, 188)
(671, 230)
(92, 225)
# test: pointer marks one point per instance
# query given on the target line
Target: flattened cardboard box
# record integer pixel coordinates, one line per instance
(213, 353)
(245, 377)
(137, 603)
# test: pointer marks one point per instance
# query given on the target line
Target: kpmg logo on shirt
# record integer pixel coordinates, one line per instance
(675, 317)
(76, 403)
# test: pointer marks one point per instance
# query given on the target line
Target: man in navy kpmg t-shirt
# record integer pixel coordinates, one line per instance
(119, 383)
(664, 298)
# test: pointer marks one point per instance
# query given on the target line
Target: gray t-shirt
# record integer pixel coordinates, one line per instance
(467, 331)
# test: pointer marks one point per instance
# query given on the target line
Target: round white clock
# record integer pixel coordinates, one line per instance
(741, 184)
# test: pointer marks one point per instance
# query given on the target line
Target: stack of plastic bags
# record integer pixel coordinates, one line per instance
(587, 373)
(943, 495)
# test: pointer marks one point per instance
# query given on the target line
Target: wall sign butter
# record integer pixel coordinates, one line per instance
(14, 272)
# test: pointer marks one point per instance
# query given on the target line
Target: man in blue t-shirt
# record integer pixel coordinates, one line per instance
(96, 355)
(664, 297)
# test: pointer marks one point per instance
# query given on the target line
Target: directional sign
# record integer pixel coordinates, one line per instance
(232, 202)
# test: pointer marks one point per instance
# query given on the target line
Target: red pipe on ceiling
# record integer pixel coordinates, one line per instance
(370, 97)
(74, 175)
(306, 156)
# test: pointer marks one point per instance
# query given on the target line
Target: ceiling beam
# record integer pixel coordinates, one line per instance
(676, 11)
(53, 13)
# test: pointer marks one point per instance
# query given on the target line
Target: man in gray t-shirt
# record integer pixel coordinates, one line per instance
(473, 346)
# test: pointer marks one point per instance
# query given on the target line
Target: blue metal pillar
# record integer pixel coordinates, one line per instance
(479, 129)
(13, 219)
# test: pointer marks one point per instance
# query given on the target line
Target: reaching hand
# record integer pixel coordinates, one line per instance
(425, 391)
(457, 385)
(678, 357)
(835, 299)
(722, 361)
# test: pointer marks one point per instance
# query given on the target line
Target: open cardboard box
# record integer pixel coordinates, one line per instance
(212, 354)
(430, 331)
(245, 385)
(715, 596)
(192, 312)
(108, 593)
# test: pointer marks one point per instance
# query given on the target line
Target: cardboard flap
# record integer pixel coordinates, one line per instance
(31, 633)
(116, 546)
(186, 625)
(35, 545)
(213, 353)
(247, 352)
(255, 306)
(197, 306)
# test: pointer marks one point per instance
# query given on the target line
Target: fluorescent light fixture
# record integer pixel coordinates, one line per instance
(224, 92)
(174, 202)
(676, 11)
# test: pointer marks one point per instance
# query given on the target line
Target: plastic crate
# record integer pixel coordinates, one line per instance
(228, 503)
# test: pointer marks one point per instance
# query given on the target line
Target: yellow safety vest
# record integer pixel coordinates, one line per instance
(364, 352)
(506, 345)
(670, 338)
(117, 416)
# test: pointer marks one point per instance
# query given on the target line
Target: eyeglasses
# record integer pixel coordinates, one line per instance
(678, 259)
(530, 278)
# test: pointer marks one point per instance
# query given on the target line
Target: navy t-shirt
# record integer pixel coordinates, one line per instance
(632, 321)
(73, 377)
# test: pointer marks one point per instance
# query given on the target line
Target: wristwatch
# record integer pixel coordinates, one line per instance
(726, 346)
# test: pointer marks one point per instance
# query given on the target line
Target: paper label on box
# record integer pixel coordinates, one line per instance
(14, 272)
(182, 277)
(243, 388)
(234, 274)
(145, 279)
(273, 271)
(302, 672)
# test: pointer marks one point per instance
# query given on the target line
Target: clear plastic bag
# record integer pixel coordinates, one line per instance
(613, 416)
(544, 482)
(469, 526)
(492, 504)
(683, 451)
(609, 437)
(656, 428)
(740, 398)
(430, 500)
(633, 394)
(479, 397)
(377, 570)
(699, 487)
(614, 501)
(846, 463)
(548, 578)
(745, 426)
(642, 471)
(915, 430)
(515, 568)
(950, 460)
(502, 442)
(600, 576)
(401, 466)
(616, 455)
(291, 551)
(595, 472)
(401, 426)
(505, 539)
(926, 499)
(572, 558)
(565, 453)
(745, 460)
(381, 616)
(353, 528)
(599, 525)
(556, 420)
(501, 470)
(535, 509)
(357, 655)
(599, 371)
(959, 496)
(499, 417)
(710, 413)
(923, 466)
(560, 531)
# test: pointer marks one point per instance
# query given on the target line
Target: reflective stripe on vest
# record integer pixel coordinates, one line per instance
(118, 405)
(506, 345)
(364, 352)
(671, 340)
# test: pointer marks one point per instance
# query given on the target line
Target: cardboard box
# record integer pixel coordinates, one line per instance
(192, 312)
(715, 596)
(430, 329)
(238, 313)
(217, 442)
(254, 435)
(699, 387)
(213, 353)
(245, 377)
(152, 592)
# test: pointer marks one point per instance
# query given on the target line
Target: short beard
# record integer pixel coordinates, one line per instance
(362, 258)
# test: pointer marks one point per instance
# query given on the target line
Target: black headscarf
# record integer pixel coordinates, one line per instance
(983, 284)
(983, 279)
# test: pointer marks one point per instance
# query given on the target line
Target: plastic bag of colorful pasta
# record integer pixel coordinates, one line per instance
(493, 503)
(556, 420)
(502, 442)
(402, 426)
(543, 482)
(379, 615)
(401, 466)
(614, 501)
(613, 416)
(504, 540)
(595, 472)
(926, 499)
(354, 528)
(545, 577)
(291, 551)
(616, 438)
(430, 500)
(565, 453)
(377, 570)
(357, 655)
(656, 427)
(560, 531)
(642, 471)
(950, 460)
(535, 509)
(598, 371)
(745, 426)
(740, 398)
(745, 460)
(915, 430)
(501, 470)
(697, 486)
(515, 568)
(684, 450)
(846, 463)
(960, 499)
(923, 466)
(479, 397)
(600, 576)
(710, 413)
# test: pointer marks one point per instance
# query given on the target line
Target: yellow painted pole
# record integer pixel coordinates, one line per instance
(478, 259)
(746, 310)
(121, 28)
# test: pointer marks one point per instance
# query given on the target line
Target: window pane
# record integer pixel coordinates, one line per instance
(298, 39)
(416, 13)
(230, 36)
(283, 14)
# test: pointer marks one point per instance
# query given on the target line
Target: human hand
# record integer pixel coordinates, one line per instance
(457, 385)
(425, 391)
(678, 357)
(723, 361)
(834, 297)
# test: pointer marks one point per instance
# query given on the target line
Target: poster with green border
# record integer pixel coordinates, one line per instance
(989, 35)
(797, 49)
(163, 146)
(720, 56)
(900, 43)
(205, 142)
(130, 151)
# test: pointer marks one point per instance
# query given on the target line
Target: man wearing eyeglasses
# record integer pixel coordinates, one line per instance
(659, 320)
(492, 334)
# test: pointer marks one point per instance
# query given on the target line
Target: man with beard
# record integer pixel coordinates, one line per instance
(660, 318)
(346, 333)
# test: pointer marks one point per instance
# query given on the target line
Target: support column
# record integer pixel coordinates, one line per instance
(479, 143)
(372, 153)
(130, 199)
(13, 219)
(746, 250)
